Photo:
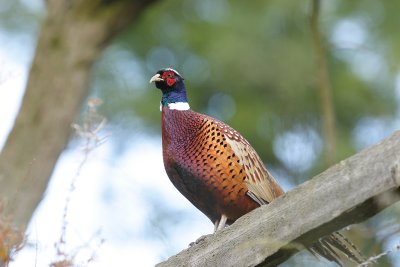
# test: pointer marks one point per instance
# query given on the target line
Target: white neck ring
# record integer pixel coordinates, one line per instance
(179, 106)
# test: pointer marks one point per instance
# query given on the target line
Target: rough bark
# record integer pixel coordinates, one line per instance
(349, 192)
(73, 34)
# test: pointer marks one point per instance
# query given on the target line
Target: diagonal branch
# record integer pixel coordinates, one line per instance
(349, 192)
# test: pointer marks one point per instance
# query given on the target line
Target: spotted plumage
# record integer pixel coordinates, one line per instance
(205, 167)
(216, 168)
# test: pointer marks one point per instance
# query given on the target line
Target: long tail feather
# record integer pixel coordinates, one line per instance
(334, 247)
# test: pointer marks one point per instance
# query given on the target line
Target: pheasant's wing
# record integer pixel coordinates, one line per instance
(262, 186)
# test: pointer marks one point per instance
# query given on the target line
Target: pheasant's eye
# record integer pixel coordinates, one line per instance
(168, 74)
(169, 77)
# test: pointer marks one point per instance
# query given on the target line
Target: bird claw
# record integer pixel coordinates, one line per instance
(199, 240)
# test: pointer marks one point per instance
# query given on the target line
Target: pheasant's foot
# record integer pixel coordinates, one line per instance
(199, 240)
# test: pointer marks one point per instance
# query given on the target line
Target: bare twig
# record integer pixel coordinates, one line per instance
(324, 87)
(374, 259)
(89, 130)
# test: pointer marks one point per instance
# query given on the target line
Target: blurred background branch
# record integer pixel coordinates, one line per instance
(323, 86)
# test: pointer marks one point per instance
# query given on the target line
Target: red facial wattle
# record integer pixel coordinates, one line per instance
(169, 77)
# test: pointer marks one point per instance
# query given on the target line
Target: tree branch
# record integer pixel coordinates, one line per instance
(349, 192)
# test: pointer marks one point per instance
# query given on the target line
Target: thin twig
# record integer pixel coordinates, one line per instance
(324, 87)
(92, 124)
(374, 259)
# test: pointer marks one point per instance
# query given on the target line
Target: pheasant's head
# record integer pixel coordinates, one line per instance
(170, 82)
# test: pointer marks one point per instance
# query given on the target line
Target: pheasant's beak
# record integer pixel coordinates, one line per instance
(156, 78)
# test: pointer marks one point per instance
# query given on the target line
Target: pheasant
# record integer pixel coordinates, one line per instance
(217, 169)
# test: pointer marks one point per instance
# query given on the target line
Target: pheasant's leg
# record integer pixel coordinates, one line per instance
(218, 225)
(221, 223)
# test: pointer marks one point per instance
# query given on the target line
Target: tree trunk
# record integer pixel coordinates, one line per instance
(72, 36)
